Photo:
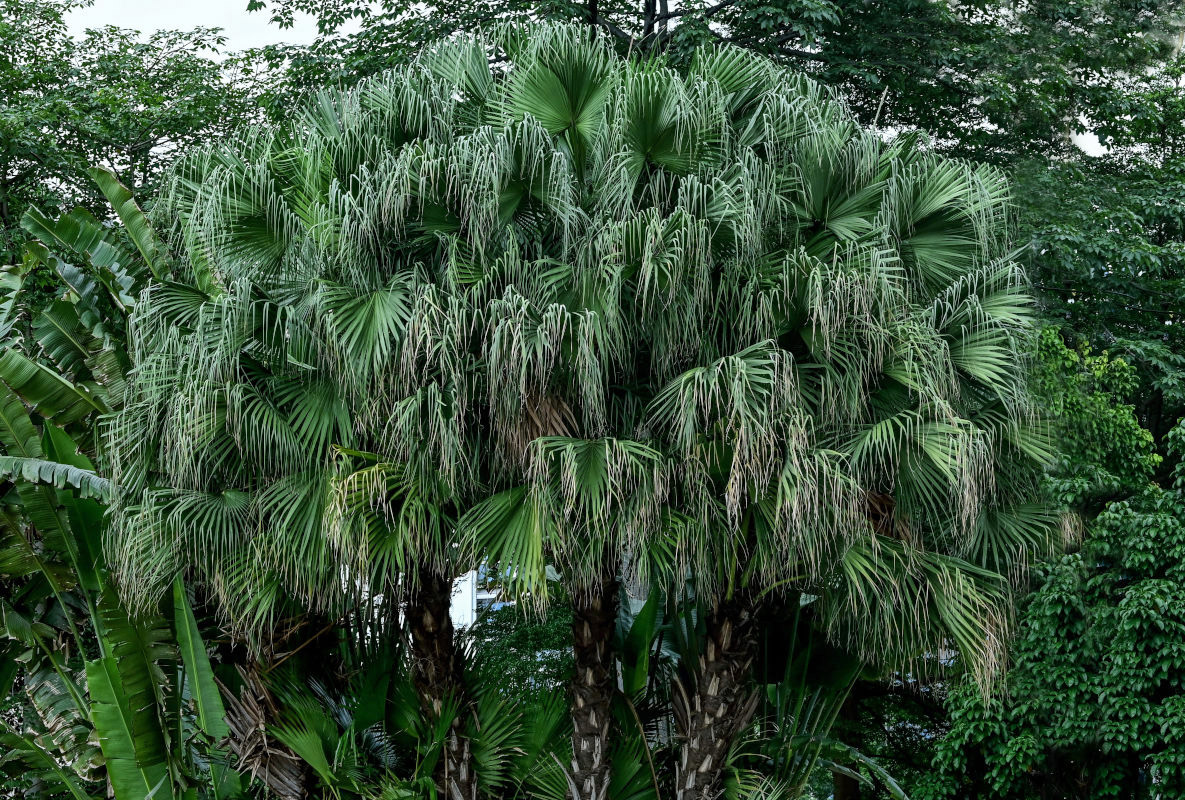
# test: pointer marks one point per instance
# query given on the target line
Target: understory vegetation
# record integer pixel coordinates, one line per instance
(803, 399)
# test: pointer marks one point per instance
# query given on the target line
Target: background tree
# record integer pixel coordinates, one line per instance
(108, 98)
(1094, 702)
(1105, 252)
(994, 80)
(1106, 249)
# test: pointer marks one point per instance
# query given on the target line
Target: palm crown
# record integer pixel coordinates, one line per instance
(573, 308)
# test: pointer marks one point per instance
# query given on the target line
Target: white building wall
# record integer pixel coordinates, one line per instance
(463, 609)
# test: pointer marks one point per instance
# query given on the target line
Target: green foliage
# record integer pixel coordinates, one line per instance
(211, 715)
(898, 724)
(603, 316)
(104, 690)
(132, 740)
(1105, 452)
(1107, 254)
(584, 362)
(1091, 706)
(268, 447)
(35, 470)
(1091, 694)
(990, 79)
(109, 97)
(531, 656)
(369, 738)
(1094, 697)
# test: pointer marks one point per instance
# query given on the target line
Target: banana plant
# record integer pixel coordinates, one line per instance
(110, 699)
(368, 738)
(142, 689)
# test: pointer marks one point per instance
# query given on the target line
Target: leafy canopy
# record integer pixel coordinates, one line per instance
(991, 78)
(572, 307)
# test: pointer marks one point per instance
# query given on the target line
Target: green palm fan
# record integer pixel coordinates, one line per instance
(525, 303)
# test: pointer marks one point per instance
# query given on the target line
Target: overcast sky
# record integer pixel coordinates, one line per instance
(243, 29)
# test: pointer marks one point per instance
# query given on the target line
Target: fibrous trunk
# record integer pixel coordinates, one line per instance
(248, 715)
(594, 617)
(438, 675)
(718, 703)
(846, 787)
(253, 710)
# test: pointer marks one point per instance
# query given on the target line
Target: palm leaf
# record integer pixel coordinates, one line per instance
(60, 476)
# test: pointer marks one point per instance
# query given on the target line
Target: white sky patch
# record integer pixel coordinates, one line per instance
(243, 29)
(1088, 143)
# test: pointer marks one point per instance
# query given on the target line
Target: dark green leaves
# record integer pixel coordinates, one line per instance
(132, 745)
(199, 675)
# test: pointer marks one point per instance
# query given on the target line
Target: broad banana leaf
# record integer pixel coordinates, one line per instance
(51, 395)
(119, 286)
(133, 219)
(102, 256)
(211, 713)
(35, 756)
(84, 515)
(636, 647)
(23, 557)
(60, 476)
(19, 439)
(12, 281)
(126, 687)
(80, 233)
(128, 730)
(59, 331)
(56, 697)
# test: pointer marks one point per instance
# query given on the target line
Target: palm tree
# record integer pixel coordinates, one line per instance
(823, 338)
(289, 441)
(877, 450)
(525, 303)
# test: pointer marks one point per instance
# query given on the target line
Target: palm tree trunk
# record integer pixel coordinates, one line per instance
(253, 709)
(248, 715)
(846, 788)
(594, 617)
(438, 675)
(720, 702)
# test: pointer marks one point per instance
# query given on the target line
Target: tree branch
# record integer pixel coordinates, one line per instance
(706, 13)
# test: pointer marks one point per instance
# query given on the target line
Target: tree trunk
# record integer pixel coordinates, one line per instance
(253, 709)
(248, 715)
(847, 787)
(720, 702)
(438, 675)
(594, 617)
